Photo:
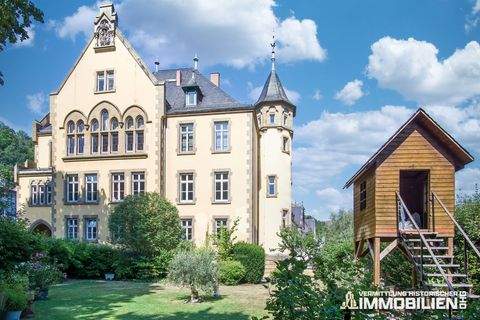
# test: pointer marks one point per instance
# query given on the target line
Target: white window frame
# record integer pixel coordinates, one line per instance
(187, 229)
(219, 180)
(187, 131)
(41, 194)
(105, 76)
(221, 136)
(49, 192)
(91, 231)
(138, 183)
(118, 186)
(110, 75)
(191, 94)
(271, 118)
(34, 194)
(220, 223)
(72, 228)
(91, 188)
(187, 179)
(72, 180)
(271, 178)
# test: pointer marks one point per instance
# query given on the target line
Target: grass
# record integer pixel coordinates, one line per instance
(90, 299)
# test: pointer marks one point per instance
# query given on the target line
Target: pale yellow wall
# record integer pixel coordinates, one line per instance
(203, 163)
(32, 213)
(43, 152)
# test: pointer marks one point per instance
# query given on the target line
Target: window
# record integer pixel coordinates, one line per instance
(187, 228)
(114, 135)
(186, 137)
(70, 138)
(41, 194)
(191, 98)
(271, 118)
(104, 117)
(186, 187)
(80, 137)
(91, 229)
(94, 135)
(138, 183)
(34, 194)
(222, 190)
(259, 119)
(271, 186)
(118, 186)
(220, 224)
(285, 144)
(285, 119)
(139, 133)
(49, 192)
(105, 81)
(72, 188)
(363, 195)
(221, 136)
(284, 218)
(110, 80)
(129, 134)
(104, 142)
(91, 186)
(72, 228)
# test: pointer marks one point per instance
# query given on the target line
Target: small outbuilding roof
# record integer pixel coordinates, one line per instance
(462, 156)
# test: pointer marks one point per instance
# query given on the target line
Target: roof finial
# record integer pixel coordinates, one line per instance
(273, 45)
(195, 62)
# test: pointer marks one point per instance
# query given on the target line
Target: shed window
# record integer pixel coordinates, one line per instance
(363, 195)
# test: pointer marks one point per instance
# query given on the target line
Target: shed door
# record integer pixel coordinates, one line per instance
(414, 192)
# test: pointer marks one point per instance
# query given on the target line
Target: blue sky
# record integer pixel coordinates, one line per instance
(349, 65)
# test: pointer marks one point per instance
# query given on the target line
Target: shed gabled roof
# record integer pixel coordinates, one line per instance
(461, 154)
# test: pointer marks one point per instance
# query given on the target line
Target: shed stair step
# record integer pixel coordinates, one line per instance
(430, 257)
(433, 248)
(455, 275)
(442, 265)
(454, 285)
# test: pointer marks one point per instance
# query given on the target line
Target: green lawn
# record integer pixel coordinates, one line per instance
(90, 299)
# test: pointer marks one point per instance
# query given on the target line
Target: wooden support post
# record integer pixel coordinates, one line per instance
(450, 246)
(376, 262)
(359, 249)
(388, 249)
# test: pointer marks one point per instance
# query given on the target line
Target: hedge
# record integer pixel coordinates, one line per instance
(252, 257)
(231, 272)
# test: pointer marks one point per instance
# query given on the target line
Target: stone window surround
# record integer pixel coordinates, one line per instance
(95, 91)
(82, 192)
(128, 187)
(288, 146)
(276, 186)
(131, 173)
(192, 218)
(84, 187)
(220, 217)
(65, 219)
(179, 138)
(37, 183)
(229, 201)
(177, 200)
(229, 123)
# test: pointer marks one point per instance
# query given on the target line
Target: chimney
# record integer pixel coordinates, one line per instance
(195, 62)
(178, 78)
(215, 78)
(156, 65)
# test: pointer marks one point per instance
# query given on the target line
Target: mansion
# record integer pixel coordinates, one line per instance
(116, 128)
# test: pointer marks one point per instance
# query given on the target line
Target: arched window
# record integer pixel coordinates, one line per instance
(80, 137)
(104, 118)
(139, 133)
(114, 134)
(129, 134)
(94, 135)
(70, 138)
(104, 128)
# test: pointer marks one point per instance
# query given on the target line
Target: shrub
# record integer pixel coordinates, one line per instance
(224, 240)
(231, 272)
(92, 261)
(60, 252)
(196, 269)
(17, 244)
(40, 275)
(252, 257)
(146, 224)
(15, 289)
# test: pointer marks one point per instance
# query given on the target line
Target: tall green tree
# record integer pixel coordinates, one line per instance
(16, 16)
(15, 147)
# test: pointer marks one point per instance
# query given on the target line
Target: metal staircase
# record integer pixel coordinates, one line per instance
(437, 268)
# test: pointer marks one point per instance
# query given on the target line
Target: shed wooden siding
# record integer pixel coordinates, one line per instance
(364, 221)
(415, 150)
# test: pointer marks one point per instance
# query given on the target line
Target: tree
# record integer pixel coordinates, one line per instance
(196, 269)
(339, 228)
(15, 147)
(146, 224)
(16, 17)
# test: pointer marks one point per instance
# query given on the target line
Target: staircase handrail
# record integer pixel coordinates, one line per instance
(464, 234)
(424, 240)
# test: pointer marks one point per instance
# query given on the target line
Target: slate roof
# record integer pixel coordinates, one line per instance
(273, 90)
(45, 129)
(210, 97)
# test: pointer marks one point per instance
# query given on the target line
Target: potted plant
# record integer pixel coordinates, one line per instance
(109, 276)
(17, 300)
(41, 276)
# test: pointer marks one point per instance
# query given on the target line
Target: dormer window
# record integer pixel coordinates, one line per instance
(191, 98)
(272, 118)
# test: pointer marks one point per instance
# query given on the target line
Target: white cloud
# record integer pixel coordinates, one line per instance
(29, 41)
(235, 33)
(467, 181)
(333, 199)
(254, 93)
(36, 102)
(412, 68)
(317, 95)
(350, 93)
(472, 19)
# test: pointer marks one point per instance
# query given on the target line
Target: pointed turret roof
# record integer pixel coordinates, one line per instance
(273, 90)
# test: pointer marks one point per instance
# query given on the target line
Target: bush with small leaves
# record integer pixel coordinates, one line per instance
(252, 257)
(231, 272)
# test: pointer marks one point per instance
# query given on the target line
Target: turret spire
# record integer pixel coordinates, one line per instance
(273, 45)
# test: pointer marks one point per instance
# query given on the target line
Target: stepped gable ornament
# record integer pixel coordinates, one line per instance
(105, 25)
